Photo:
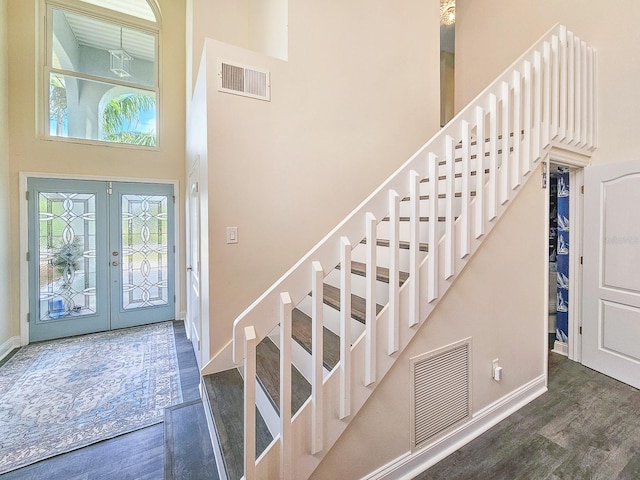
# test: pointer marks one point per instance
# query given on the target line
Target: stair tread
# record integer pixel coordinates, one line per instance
(382, 273)
(226, 397)
(268, 373)
(358, 305)
(301, 332)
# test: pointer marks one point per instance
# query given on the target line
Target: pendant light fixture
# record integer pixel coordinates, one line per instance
(120, 60)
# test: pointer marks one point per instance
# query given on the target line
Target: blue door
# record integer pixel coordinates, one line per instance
(101, 256)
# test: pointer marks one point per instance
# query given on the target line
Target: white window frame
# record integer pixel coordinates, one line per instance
(108, 15)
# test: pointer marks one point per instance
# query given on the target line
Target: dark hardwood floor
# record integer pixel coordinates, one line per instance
(138, 455)
(587, 426)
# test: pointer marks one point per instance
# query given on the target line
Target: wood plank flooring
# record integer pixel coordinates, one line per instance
(138, 455)
(268, 372)
(301, 332)
(587, 426)
(226, 397)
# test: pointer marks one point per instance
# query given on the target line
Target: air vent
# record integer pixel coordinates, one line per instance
(241, 80)
(440, 391)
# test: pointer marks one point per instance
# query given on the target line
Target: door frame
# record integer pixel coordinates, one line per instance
(576, 162)
(24, 237)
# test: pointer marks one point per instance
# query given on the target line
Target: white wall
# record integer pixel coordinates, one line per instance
(506, 27)
(357, 97)
(7, 328)
(498, 301)
(31, 153)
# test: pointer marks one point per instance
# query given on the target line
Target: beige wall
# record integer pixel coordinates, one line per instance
(357, 97)
(506, 28)
(7, 329)
(498, 301)
(30, 153)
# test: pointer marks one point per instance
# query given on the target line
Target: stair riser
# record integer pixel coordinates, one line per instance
(382, 255)
(405, 207)
(359, 286)
(404, 231)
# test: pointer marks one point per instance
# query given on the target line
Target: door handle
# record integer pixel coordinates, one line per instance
(189, 269)
(115, 264)
(114, 253)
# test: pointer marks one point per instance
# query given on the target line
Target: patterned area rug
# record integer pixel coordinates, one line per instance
(65, 394)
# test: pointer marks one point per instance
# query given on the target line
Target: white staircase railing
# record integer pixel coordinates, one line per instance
(546, 98)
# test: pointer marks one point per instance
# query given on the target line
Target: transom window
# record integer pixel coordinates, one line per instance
(102, 71)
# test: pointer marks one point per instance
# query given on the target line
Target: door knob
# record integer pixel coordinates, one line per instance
(115, 264)
(189, 269)
(115, 253)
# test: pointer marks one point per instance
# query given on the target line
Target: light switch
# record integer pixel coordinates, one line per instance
(232, 234)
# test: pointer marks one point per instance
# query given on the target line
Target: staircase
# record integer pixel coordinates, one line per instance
(308, 353)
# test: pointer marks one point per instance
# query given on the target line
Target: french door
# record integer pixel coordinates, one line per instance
(101, 256)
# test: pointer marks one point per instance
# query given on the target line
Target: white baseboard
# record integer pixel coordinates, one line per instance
(561, 348)
(8, 346)
(411, 464)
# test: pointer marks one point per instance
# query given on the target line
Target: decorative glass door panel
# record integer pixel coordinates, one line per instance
(67, 254)
(144, 251)
(141, 252)
(101, 256)
(67, 228)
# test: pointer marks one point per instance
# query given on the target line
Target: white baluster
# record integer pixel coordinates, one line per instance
(526, 119)
(450, 181)
(517, 129)
(555, 88)
(571, 94)
(480, 168)
(286, 308)
(414, 247)
(317, 355)
(537, 108)
(250, 403)
(577, 137)
(594, 101)
(465, 226)
(493, 157)
(504, 165)
(345, 327)
(564, 84)
(583, 99)
(394, 272)
(547, 95)
(432, 265)
(591, 97)
(371, 313)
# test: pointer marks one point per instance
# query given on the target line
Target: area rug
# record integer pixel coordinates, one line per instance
(65, 394)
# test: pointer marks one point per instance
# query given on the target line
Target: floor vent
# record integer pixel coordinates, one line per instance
(441, 391)
(242, 80)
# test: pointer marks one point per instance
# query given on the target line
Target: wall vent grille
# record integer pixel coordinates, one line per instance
(245, 81)
(440, 391)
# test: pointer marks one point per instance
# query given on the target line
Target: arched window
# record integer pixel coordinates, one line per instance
(97, 50)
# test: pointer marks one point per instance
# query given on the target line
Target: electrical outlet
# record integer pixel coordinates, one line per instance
(496, 370)
(232, 234)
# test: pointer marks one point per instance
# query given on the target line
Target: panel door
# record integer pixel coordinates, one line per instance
(68, 281)
(141, 254)
(193, 259)
(611, 275)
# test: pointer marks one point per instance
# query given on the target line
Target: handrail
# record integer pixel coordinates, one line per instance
(546, 98)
